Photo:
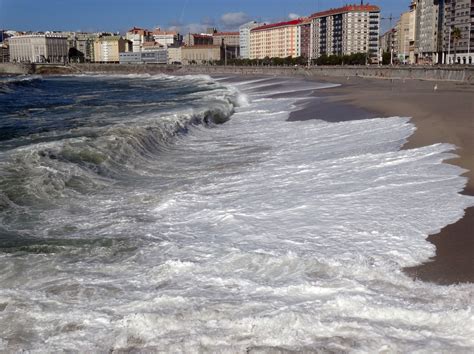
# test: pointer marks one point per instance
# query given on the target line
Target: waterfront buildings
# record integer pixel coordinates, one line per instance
(38, 48)
(458, 14)
(4, 53)
(201, 54)
(167, 38)
(346, 30)
(158, 56)
(138, 36)
(244, 38)
(304, 39)
(428, 31)
(226, 38)
(230, 41)
(107, 49)
(198, 39)
(277, 40)
(175, 55)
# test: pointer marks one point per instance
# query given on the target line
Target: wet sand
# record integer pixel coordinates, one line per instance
(442, 114)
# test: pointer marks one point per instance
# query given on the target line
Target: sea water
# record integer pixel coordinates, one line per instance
(186, 214)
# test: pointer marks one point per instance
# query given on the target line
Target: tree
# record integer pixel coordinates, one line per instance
(456, 36)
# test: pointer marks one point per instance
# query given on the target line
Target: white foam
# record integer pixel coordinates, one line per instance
(267, 234)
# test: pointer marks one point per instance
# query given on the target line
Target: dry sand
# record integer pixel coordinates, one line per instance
(443, 112)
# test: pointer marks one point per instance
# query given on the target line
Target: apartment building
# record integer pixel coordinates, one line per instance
(244, 38)
(38, 48)
(428, 29)
(304, 39)
(107, 49)
(346, 30)
(138, 36)
(458, 14)
(277, 40)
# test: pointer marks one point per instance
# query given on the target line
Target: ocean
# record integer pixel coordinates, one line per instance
(186, 214)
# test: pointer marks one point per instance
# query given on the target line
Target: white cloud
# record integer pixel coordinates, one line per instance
(234, 19)
(293, 16)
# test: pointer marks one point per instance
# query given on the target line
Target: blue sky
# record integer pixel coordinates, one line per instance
(184, 15)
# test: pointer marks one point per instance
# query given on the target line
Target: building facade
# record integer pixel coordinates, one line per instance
(167, 38)
(159, 56)
(458, 14)
(201, 54)
(427, 34)
(277, 40)
(227, 38)
(174, 55)
(138, 36)
(108, 48)
(403, 38)
(198, 39)
(244, 38)
(38, 48)
(347, 30)
(304, 39)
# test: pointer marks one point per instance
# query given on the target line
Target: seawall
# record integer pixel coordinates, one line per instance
(16, 69)
(457, 74)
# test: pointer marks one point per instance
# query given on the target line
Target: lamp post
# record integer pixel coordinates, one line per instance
(449, 46)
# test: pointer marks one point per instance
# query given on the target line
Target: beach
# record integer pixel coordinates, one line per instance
(142, 212)
(442, 113)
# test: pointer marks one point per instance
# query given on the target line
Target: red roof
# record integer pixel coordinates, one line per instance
(279, 24)
(137, 30)
(347, 8)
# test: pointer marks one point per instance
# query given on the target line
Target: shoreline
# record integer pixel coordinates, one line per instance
(441, 114)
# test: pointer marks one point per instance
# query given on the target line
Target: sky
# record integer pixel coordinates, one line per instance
(182, 15)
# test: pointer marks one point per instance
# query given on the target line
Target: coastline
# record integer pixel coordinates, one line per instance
(441, 115)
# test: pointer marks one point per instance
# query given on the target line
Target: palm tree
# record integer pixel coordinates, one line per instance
(456, 36)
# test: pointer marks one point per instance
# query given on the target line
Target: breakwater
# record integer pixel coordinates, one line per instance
(458, 74)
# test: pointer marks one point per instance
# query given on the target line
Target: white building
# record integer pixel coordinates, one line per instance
(244, 33)
(39, 48)
(166, 38)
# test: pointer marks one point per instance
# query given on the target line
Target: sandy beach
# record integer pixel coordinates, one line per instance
(443, 112)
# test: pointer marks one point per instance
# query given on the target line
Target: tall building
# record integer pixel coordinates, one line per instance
(404, 37)
(38, 48)
(428, 29)
(458, 14)
(277, 40)
(346, 30)
(244, 38)
(107, 49)
(304, 39)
